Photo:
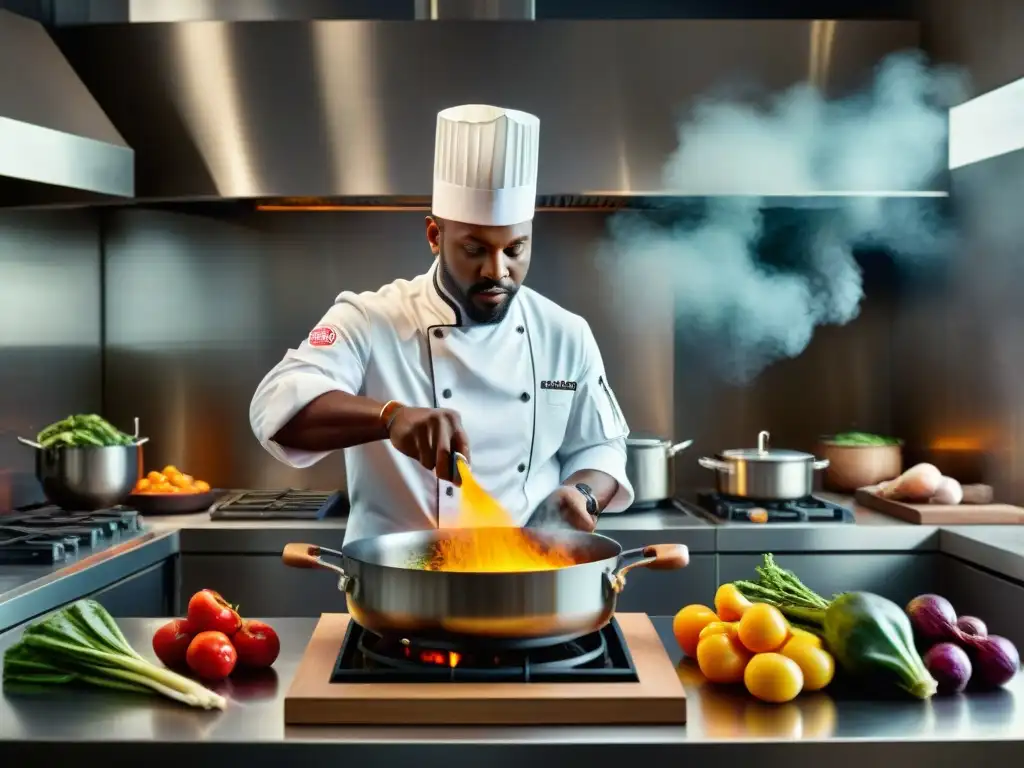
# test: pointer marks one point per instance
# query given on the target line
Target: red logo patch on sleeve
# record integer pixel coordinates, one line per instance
(322, 336)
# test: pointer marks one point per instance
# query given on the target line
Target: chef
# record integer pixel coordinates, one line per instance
(461, 358)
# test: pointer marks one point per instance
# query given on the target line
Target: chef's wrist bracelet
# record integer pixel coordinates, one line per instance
(388, 414)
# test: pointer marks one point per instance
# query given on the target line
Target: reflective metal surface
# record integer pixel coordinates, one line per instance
(52, 132)
(200, 307)
(327, 109)
(722, 724)
(87, 478)
(388, 594)
(50, 357)
(487, 10)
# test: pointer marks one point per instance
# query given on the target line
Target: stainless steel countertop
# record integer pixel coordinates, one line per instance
(983, 728)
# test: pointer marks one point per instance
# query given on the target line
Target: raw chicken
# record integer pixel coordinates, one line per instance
(919, 483)
(948, 492)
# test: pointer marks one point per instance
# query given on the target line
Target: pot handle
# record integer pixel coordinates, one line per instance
(674, 449)
(657, 557)
(821, 463)
(312, 556)
(715, 464)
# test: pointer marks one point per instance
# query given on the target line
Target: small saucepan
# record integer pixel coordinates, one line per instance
(649, 468)
(764, 473)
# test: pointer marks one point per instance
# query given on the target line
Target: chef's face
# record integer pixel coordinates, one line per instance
(482, 267)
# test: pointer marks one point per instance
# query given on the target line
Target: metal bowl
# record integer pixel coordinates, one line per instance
(88, 478)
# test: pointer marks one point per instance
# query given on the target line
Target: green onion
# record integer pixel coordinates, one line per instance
(83, 644)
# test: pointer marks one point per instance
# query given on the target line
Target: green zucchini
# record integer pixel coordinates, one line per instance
(869, 635)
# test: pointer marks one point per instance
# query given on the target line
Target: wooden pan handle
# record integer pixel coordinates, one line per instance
(667, 557)
(302, 556)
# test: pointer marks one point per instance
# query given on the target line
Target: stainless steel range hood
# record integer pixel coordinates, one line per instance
(342, 113)
(56, 144)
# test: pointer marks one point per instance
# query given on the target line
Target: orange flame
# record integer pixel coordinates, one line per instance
(488, 540)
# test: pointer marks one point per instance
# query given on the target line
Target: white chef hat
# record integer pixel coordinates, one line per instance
(485, 165)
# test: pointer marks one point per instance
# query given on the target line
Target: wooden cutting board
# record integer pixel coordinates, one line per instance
(657, 697)
(942, 514)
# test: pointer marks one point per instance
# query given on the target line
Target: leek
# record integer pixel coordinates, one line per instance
(83, 644)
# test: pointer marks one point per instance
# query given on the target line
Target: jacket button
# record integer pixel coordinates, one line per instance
(449, 491)
(525, 397)
(521, 467)
(520, 329)
(438, 333)
(447, 393)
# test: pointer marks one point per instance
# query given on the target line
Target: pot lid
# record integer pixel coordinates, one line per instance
(764, 453)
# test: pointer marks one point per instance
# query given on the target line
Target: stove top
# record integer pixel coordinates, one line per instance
(600, 657)
(289, 504)
(46, 535)
(621, 674)
(809, 509)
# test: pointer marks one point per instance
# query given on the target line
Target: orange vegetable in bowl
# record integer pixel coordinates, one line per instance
(170, 480)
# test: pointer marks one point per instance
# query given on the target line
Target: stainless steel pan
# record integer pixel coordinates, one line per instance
(387, 596)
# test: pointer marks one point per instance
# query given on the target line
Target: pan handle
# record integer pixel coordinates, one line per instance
(312, 556)
(715, 464)
(657, 557)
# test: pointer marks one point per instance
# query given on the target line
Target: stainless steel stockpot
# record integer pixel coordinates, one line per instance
(764, 473)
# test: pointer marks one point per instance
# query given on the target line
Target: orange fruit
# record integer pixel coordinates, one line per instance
(720, 628)
(802, 635)
(816, 664)
(730, 604)
(773, 678)
(687, 626)
(763, 628)
(722, 659)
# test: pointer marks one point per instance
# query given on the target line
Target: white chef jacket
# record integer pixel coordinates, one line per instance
(532, 393)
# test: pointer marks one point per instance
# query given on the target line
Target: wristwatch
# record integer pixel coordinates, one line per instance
(588, 494)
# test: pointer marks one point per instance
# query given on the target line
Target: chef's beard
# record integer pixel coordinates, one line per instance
(484, 314)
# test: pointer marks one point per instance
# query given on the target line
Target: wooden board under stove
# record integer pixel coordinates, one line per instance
(658, 697)
(942, 514)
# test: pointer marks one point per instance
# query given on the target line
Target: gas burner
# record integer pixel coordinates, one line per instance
(598, 657)
(809, 509)
(46, 535)
(290, 504)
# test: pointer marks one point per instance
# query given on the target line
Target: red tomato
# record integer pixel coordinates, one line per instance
(209, 612)
(211, 655)
(257, 644)
(171, 642)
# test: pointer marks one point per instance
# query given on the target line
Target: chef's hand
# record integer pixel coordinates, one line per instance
(429, 435)
(565, 507)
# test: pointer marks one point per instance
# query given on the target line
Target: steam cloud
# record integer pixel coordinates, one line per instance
(890, 138)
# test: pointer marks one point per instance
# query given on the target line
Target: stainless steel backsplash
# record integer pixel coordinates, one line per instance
(50, 355)
(198, 309)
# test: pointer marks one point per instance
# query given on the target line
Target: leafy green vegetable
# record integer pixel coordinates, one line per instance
(82, 431)
(862, 439)
(83, 644)
(868, 634)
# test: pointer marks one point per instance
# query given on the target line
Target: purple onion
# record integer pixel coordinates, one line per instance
(933, 619)
(950, 666)
(995, 659)
(970, 625)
